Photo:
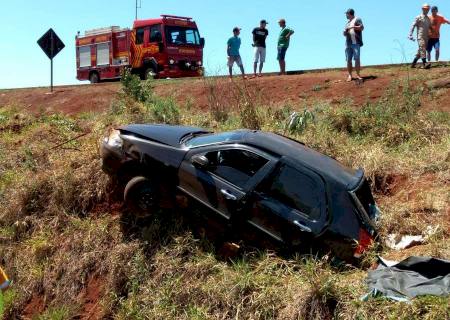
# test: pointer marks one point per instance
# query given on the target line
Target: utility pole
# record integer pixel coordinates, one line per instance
(138, 6)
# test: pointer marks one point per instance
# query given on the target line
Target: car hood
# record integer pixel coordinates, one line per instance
(162, 133)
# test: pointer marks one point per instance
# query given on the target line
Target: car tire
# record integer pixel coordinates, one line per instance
(94, 77)
(141, 196)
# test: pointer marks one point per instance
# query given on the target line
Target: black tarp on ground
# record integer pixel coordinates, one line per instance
(415, 276)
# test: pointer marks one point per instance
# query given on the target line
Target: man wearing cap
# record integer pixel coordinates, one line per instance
(233, 46)
(283, 44)
(259, 42)
(434, 42)
(423, 24)
(353, 34)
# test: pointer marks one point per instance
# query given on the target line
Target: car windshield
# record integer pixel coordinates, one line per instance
(208, 139)
(182, 35)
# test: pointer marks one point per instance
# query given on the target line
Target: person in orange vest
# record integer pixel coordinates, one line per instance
(434, 42)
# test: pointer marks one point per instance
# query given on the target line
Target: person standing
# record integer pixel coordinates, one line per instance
(434, 41)
(259, 42)
(353, 34)
(233, 46)
(422, 24)
(283, 44)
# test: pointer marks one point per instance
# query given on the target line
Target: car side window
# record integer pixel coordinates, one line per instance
(155, 33)
(298, 190)
(235, 165)
(140, 36)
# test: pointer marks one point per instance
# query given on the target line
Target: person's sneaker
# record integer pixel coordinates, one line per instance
(427, 66)
(349, 78)
(413, 65)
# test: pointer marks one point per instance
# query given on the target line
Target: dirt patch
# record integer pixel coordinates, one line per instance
(90, 297)
(280, 90)
(65, 99)
(300, 89)
(34, 307)
(389, 184)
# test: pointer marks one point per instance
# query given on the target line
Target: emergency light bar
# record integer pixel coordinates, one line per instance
(165, 16)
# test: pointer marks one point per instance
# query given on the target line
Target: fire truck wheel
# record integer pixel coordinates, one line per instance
(149, 73)
(94, 78)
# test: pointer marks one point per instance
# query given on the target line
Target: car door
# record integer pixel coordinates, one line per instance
(290, 205)
(222, 183)
(154, 46)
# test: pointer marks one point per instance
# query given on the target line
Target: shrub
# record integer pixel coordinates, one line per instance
(249, 116)
(164, 111)
(298, 121)
(133, 87)
(218, 107)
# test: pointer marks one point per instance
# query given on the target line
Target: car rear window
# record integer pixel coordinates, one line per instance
(298, 190)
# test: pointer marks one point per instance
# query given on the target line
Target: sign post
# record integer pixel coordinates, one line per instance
(51, 44)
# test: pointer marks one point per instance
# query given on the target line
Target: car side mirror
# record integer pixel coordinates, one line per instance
(202, 42)
(200, 161)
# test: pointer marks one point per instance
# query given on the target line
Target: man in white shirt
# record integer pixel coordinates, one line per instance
(353, 34)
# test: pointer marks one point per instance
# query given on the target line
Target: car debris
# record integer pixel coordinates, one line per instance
(412, 277)
(405, 242)
(254, 183)
(398, 242)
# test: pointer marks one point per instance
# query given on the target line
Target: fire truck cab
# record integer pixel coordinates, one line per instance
(166, 47)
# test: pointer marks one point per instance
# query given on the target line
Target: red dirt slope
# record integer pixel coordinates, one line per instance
(272, 90)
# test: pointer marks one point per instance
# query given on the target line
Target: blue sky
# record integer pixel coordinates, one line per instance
(317, 43)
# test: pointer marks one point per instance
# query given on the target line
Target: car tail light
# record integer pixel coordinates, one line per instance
(364, 242)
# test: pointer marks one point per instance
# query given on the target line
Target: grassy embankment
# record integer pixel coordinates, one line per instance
(64, 240)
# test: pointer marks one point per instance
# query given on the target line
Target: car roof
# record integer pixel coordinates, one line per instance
(326, 166)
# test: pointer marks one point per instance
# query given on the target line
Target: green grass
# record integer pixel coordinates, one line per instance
(60, 224)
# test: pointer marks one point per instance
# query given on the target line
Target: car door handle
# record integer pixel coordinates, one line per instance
(228, 195)
(302, 226)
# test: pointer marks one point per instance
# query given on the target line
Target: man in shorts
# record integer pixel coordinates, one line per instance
(233, 46)
(283, 44)
(434, 35)
(259, 42)
(353, 35)
(422, 24)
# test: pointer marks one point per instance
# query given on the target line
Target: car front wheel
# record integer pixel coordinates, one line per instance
(141, 196)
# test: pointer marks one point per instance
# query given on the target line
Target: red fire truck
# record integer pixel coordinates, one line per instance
(169, 46)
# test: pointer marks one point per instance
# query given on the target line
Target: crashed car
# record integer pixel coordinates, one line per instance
(251, 181)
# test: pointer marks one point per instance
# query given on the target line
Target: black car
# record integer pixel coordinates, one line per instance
(253, 182)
